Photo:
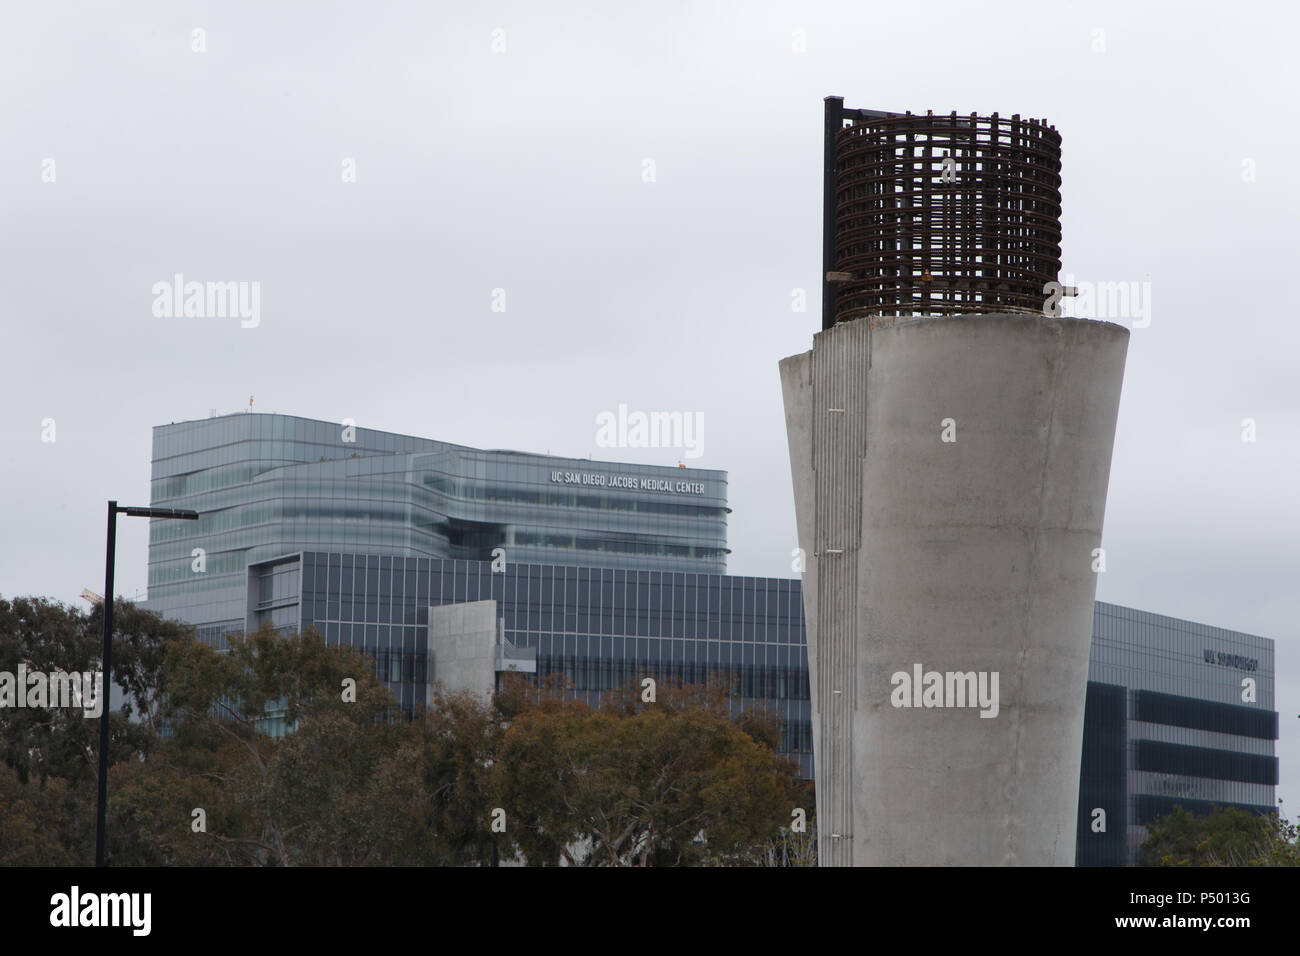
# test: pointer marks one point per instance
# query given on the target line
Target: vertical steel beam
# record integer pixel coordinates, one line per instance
(834, 123)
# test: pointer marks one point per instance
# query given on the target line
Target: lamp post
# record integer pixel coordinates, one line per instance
(113, 510)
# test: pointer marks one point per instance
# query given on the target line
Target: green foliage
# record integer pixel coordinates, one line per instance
(43, 823)
(670, 783)
(196, 780)
(462, 745)
(49, 756)
(48, 636)
(347, 787)
(1226, 836)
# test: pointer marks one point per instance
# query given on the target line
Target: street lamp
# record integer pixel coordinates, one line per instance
(113, 510)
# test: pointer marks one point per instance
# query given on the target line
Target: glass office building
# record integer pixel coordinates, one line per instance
(600, 627)
(1177, 713)
(268, 485)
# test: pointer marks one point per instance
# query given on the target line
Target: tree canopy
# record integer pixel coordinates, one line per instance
(1227, 836)
(281, 751)
(676, 782)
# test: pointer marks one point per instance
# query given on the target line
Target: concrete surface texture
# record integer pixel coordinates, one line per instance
(462, 648)
(950, 479)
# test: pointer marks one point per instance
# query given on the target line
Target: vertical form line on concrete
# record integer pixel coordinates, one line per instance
(840, 381)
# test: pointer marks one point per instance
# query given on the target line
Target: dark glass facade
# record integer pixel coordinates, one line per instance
(599, 626)
(1178, 714)
(1103, 778)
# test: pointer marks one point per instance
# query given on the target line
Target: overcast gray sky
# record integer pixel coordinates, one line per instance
(504, 146)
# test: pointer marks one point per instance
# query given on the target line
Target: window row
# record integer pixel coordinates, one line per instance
(603, 673)
(477, 491)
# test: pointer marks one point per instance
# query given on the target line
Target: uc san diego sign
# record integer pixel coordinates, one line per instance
(628, 482)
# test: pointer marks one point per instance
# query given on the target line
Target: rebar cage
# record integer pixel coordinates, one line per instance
(937, 215)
